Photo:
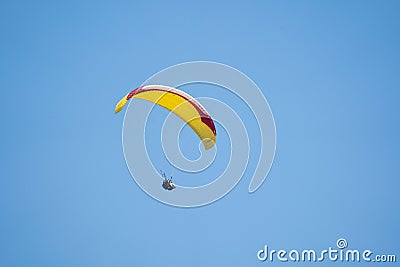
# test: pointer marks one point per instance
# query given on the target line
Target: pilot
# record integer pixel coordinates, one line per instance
(167, 183)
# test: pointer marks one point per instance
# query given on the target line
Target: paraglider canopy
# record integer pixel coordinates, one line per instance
(181, 104)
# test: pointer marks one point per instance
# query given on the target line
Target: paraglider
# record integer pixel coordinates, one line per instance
(181, 104)
(167, 183)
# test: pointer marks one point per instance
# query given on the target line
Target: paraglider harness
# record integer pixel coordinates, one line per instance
(167, 183)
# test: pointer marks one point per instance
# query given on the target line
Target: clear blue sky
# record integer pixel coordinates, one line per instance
(330, 72)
